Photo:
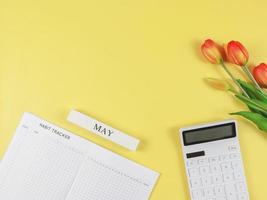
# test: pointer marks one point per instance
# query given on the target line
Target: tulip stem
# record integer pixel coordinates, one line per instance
(233, 78)
(248, 73)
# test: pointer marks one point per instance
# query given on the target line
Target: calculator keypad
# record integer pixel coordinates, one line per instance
(217, 178)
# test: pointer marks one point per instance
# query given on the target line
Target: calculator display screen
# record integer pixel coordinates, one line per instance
(208, 134)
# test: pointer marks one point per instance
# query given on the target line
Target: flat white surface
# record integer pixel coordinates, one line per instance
(220, 173)
(46, 162)
(103, 130)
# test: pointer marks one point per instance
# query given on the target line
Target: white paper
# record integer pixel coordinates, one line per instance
(46, 162)
(103, 130)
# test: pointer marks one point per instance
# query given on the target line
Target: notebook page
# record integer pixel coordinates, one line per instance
(110, 178)
(37, 167)
(46, 162)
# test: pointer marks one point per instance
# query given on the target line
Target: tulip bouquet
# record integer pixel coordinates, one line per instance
(250, 92)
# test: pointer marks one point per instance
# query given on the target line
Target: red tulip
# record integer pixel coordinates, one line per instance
(237, 53)
(260, 74)
(212, 51)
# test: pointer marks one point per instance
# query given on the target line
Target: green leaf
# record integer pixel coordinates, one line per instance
(249, 88)
(261, 96)
(256, 109)
(254, 105)
(260, 102)
(252, 102)
(256, 118)
(252, 91)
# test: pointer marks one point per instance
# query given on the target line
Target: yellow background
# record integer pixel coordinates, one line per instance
(134, 64)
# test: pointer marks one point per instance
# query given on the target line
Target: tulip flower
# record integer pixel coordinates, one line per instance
(215, 54)
(212, 51)
(260, 74)
(252, 94)
(219, 84)
(237, 53)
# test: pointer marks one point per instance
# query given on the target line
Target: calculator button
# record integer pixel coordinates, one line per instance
(203, 161)
(243, 196)
(217, 179)
(238, 175)
(228, 177)
(196, 194)
(236, 165)
(213, 159)
(204, 170)
(206, 181)
(193, 172)
(208, 192)
(219, 191)
(224, 158)
(234, 156)
(241, 187)
(220, 198)
(232, 148)
(191, 163)
(231, 197)
(226, 167)
(230, 192)
(215, 168)
(195, 183)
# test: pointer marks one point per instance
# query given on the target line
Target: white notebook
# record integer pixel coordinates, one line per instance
(46, 162)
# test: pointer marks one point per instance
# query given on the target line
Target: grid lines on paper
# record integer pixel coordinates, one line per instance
(96, 182)
(52, 173)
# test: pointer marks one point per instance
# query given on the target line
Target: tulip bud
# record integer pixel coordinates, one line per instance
(212, 51)
(237, 53)
(260, 74)
(219, 84)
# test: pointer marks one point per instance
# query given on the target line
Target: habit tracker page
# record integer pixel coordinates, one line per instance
(46, 162)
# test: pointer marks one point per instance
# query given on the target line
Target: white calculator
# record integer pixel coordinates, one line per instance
(213, 162)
